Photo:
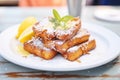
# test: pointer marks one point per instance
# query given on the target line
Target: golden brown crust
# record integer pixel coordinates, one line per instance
(46, 54)
(83, 49)
(72, 33)
(43, 34)
(67, 34)
(62, 46)
(70, 43)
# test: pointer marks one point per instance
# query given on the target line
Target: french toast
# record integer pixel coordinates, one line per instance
(62, 46)
(45, 30)
(46, 33)
(75, 52)
(64, 35)
(36, 47)
(81, 36)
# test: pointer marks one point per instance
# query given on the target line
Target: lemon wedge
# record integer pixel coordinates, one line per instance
(26, 35)
(25, 24)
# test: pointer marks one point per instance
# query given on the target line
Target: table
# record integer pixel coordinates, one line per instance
(8, 71)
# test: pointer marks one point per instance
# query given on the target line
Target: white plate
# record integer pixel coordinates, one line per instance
(107, 14)
(107, 49)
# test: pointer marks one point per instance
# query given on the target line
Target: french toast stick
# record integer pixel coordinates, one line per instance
(48, 32)
(80, 37)
(36, 47)
(75, 52)
(69, 33)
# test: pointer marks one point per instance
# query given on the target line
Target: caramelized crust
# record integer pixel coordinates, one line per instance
(75, 52)
(70, 43)
(42, 52)
(69, 33)
(63, 46)
(43, 33)
(48, 33)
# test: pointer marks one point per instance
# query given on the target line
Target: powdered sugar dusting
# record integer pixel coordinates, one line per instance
(73, 23)
(53, 43)
(71, 27)
(81, 33)
(59, 42)
(38, 43)
(45, 24)
(83, 46)
(64, 32)
(73, 49)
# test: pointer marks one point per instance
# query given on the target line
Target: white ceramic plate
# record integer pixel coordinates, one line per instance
(107, 49)
(107, 14)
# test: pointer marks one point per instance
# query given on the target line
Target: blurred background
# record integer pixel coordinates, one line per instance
(15, 11)
(27, 3)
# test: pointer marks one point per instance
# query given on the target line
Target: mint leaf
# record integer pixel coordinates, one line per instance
(66, 18)
(56, 15)
(60, 22)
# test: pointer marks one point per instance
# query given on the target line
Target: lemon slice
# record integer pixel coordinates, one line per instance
(25, 24)
(26, 35)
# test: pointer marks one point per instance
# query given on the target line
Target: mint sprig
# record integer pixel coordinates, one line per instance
(63, 19)
(66, 18)
(56, 15)
(59, 19)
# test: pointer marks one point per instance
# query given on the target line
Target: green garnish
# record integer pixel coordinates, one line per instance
(56, 22)
(56, 15)
(60, 21)
(66, 18)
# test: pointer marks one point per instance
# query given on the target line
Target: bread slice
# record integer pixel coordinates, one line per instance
(63, 46)
(74, 27)
(45, 30)
(75, 52)
(36, 47)
(82, 36)
(45, 34)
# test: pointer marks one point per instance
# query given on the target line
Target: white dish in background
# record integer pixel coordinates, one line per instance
(107, 14)
(106, 50)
